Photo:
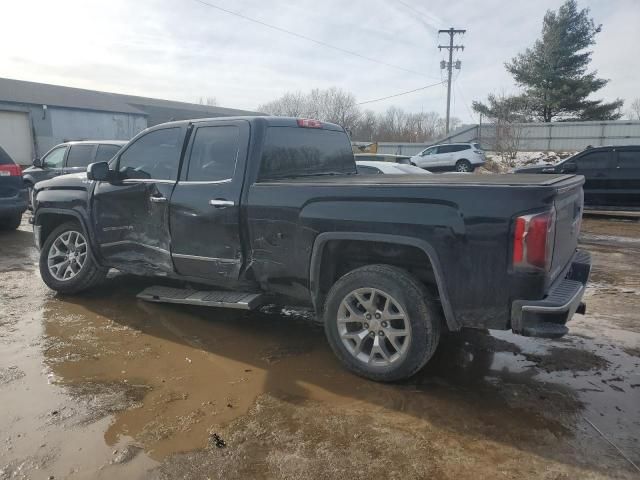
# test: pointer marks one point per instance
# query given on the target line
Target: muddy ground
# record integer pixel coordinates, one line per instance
(107, 386)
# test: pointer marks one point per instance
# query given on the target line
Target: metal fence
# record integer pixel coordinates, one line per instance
(558, 136)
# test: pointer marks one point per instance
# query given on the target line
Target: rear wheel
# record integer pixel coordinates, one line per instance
(381, 322)
(66, 263)
(463, 166)
(11, 222)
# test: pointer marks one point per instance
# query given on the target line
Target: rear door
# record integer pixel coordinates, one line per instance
(444, 157)
(132, 215)
(80, 155)
(205, 205)
(625, 178)
(597, 168)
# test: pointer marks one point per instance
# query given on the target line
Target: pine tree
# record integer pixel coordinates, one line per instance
(554, 73)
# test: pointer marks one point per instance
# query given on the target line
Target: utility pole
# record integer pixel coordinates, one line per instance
(450, 65)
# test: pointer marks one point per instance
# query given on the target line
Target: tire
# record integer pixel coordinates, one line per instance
(464, 166)
(85, 276)
(11, 223)
(408, 298)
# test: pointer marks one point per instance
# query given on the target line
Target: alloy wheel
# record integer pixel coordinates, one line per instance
(67, 255)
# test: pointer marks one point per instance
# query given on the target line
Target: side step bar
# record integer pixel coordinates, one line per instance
(204, 298)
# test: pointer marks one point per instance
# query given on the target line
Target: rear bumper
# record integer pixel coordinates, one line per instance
(547, 317)
(14, 205)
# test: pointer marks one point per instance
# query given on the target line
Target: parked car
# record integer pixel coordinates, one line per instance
(459, 157)
(69, 157)
(270, 209)
(612, 175)
(377, 168)
(13, 194)
(383, 157)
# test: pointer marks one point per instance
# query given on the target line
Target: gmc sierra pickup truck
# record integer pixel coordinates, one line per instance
(247, 210)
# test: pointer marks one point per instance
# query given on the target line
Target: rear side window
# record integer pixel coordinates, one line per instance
(593, 160)
(460, 148)
(294, 151)
(80, 155)
(106, 152)
(155, 155)
(5, 158)
(629, 159)
(476, 146)
(214, 153)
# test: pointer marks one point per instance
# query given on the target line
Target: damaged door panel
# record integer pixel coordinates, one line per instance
(204, 212)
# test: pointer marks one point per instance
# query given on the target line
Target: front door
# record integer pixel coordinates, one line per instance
(52, 164)
(132, 215)
(204, 208)
(596, 167)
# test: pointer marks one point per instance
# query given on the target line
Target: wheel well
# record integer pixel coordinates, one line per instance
(463, 160)
(341, 256)
(49, 221)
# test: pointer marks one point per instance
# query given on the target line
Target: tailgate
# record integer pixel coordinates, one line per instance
(568, 206)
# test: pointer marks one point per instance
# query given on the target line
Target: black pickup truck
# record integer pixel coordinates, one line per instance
(247, 210)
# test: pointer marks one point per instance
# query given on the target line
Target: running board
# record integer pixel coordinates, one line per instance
(204, 298)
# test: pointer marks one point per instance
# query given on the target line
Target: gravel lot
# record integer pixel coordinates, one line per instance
(106, 386)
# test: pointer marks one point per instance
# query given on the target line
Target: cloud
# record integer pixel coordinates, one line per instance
(182, 50)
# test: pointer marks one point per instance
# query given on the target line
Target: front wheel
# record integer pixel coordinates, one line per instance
(66, 263)
(381, 322)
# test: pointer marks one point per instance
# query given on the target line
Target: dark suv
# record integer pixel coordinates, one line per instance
(70, 157)
(612, 175)
(13, 195)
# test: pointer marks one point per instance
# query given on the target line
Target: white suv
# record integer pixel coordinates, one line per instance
(460, 157)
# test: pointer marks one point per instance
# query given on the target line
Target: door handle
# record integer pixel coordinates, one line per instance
(219, 203)
(158, 199)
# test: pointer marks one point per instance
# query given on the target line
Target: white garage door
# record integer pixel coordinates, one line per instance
(15, 136)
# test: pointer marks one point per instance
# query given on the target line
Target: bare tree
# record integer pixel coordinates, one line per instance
(210, 101)
(634, 110)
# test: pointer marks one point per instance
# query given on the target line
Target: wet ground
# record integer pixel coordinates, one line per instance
(107, 386)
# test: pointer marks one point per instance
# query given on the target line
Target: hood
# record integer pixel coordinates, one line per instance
(74, 181)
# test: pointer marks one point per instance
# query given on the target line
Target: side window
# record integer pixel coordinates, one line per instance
(106, 152)
(155, 155)
(80, 155)
(446, 149)
(55, 158)
(460, 148)
(593, 161)
(367, 170)
(629, 159)
(214, 154)
(429, 151)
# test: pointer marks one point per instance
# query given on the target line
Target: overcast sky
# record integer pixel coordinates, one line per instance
(182, 50)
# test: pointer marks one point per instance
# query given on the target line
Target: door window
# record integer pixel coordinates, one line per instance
(155, 155)
(593, 161)
(446, 148)
(430, 151)
(80, 155)
(214, 154)
(55, 158)
(106, 152)
(629, 159)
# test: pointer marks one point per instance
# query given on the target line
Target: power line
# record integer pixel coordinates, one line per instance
(309, 39)
(401, 93)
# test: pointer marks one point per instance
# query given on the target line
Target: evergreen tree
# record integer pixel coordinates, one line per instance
(554, 72)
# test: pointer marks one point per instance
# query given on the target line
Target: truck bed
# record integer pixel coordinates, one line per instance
(509, 180)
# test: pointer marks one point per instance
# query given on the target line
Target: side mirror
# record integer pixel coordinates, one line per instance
(569, 167)
(99, 172)
(37, 162)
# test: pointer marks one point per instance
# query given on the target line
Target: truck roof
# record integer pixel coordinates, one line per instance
(265, 120)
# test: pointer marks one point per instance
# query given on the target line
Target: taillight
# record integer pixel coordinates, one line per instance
(10, 170)
(533, 238)
(309, 123)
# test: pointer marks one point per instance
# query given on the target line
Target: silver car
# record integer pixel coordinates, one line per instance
(459, 157)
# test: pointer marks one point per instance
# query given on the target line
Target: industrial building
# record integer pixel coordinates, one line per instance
(35, 116)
